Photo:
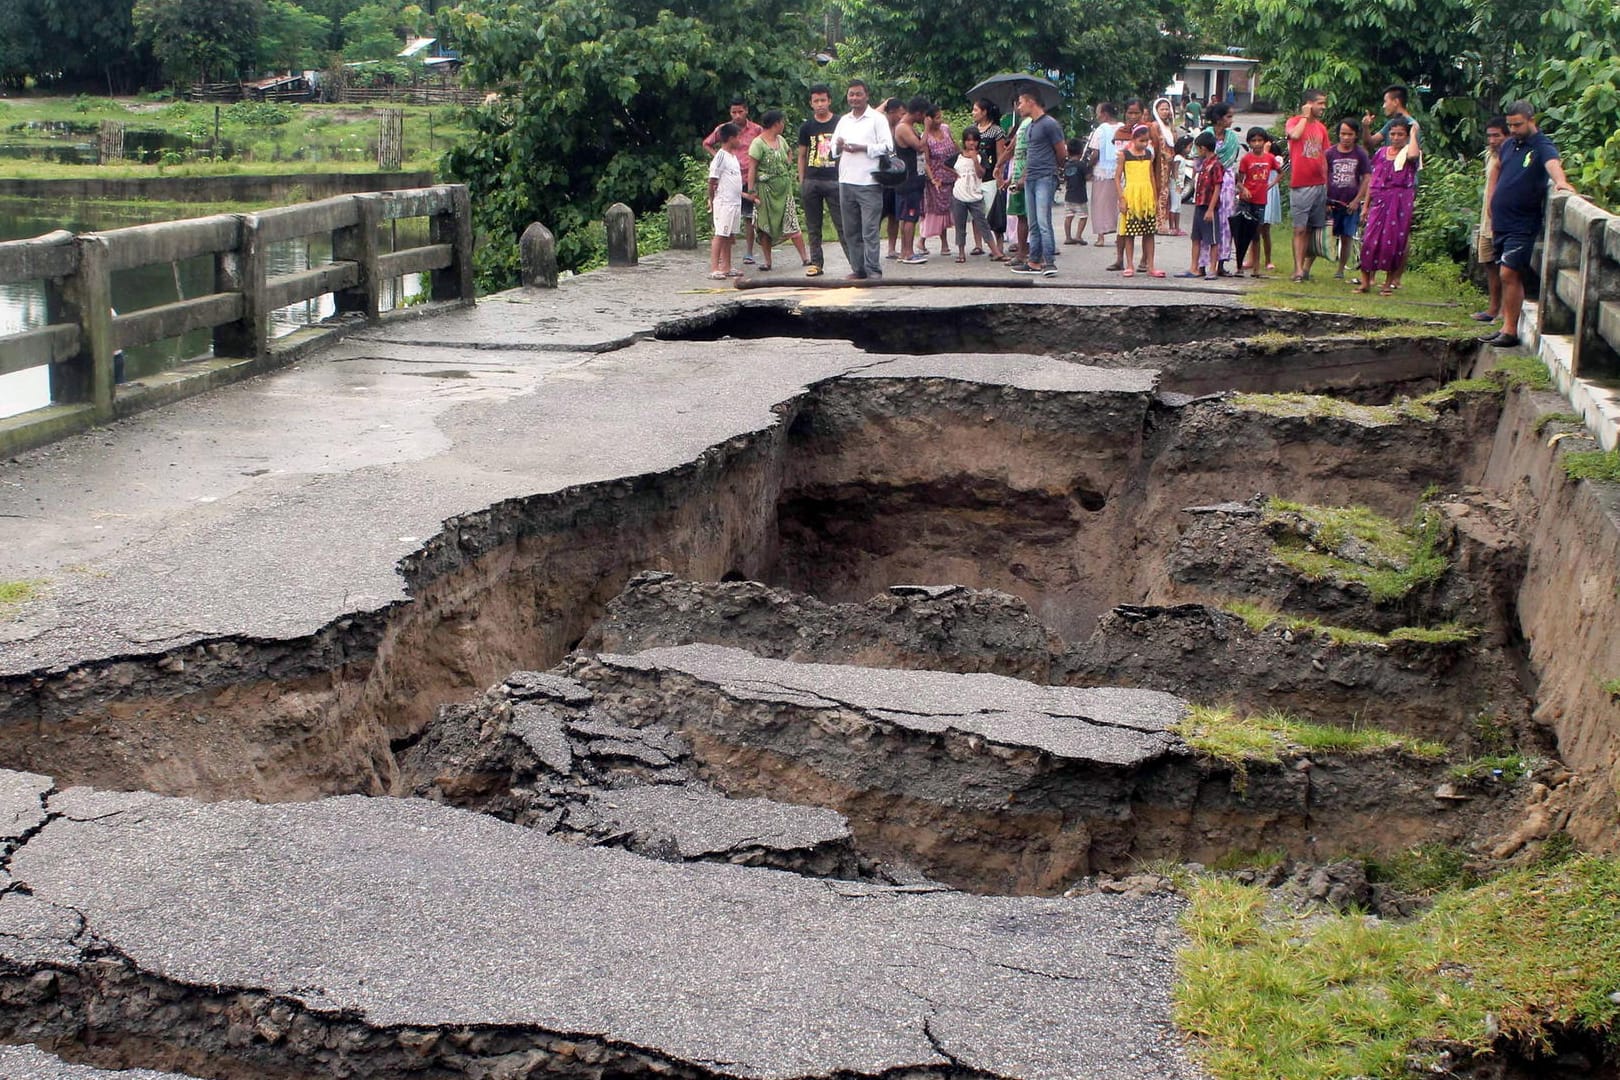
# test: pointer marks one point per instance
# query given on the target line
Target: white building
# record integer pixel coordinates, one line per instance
(1218, 75)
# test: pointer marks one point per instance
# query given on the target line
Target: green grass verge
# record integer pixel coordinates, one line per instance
(1435, 297)
(1546, 420)
(1258, 618)
(1592, 465)
(1240, 739)
(1397, 559)
(1285, 997)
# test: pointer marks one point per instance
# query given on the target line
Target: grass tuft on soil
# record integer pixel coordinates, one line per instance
(1353, 545)
(1424, 408)
(1277, 995)
(1239, 739)
(14, 594)
(1259, 618)
(1546, 420)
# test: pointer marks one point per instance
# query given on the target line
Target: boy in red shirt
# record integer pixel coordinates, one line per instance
(1253, 183)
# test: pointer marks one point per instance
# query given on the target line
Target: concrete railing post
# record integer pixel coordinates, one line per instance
(1559, 251)
(243, 271)
(87, 300)
(358, 244)
(682, 224)
(621, 235)
(456, 281)
(538, 249)
(1598, 283)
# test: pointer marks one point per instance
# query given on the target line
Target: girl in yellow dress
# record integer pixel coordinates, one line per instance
(1138, 201)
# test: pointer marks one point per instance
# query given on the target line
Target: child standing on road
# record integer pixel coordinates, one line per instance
(725, 201)
(1138, 201)
(1206, 203)
(1256, 172)
(1076, 178)
(967, 198)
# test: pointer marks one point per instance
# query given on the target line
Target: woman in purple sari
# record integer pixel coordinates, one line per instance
(1389, 208)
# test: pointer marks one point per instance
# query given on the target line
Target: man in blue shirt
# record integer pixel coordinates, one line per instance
(1517, 197)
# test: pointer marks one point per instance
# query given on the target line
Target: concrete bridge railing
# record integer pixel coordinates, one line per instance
(1580, 280)
(82, 335)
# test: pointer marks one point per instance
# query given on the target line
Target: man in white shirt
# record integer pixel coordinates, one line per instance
(861, 137)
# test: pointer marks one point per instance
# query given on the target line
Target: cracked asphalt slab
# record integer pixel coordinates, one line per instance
(405, 913)
(272, 507)
(1108, 725)
(32, 1063)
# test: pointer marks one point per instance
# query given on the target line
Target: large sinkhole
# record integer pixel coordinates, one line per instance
(1123, 534)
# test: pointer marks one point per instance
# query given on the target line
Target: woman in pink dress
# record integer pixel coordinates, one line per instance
(942, 148)
(1390, 199)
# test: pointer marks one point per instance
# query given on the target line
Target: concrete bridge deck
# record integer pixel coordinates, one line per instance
(269, 508)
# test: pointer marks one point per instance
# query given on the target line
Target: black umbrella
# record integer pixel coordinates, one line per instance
(1004, 90)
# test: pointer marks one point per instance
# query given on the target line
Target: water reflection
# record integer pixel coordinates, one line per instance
(23, 306)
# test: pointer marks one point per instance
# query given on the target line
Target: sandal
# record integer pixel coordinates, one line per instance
(718, 275)
(961, 258)
(999, 258)
(1359, 289)
(812, 270)
(1189, 274)
(1129, 271)
(734, 273)
(977, 251)
(1386, 291)
(1156, 273)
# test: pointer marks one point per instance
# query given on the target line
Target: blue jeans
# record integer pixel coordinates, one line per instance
(1039, 192)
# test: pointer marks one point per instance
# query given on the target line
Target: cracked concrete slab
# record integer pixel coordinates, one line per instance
(383, 913)
(1106, 725)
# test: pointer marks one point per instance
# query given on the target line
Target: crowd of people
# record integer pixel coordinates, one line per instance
(900, 163)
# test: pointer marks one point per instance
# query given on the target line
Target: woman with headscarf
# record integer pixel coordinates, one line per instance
(1162, 139)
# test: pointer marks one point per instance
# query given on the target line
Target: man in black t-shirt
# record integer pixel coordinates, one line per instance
(818, 175)
(1517, 196)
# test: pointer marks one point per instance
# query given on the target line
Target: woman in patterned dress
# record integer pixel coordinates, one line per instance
(1390, 199)
(941, 147)
(776, 212)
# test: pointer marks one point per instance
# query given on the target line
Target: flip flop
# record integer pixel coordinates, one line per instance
(1129, 271)
(1156, 273)
(1189, 274)
(718, 275)
(977, 251)
(961, 258)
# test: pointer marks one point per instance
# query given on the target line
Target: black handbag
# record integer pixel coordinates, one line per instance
(890, 171)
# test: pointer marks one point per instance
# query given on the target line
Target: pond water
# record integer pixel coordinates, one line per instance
(22, 307)
(72, 143)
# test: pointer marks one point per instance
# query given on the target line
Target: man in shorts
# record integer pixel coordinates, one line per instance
(1307, 183)
(1517, 196)
(1485, 245)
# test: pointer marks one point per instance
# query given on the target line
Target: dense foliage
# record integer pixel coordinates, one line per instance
(1096, 49)
(118, 46)
(604, 100)
(1464, 59)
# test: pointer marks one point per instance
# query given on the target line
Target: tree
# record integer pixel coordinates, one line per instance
(291, 38)
(206, 40)
(376, 31)
(603, 99)
(1096, 49)
(1576, 86)
(70, 43)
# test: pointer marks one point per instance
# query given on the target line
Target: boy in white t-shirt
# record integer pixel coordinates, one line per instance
(725, 201)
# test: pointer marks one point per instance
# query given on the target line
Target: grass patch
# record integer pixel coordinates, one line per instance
(1238, 739)
(1510, 766)
(1354, 545)
(1435, 297)
(1424, 870)
(14, 594)
(1592, 465)
(1425, 408)
(1517, 369)
(1337, 996)
(1546, 420)
(1259, 618)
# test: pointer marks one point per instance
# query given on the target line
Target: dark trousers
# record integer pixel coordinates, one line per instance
(1245, 222)
(816, 196)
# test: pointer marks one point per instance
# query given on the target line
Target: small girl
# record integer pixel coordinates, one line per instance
(1206, 202)
(967, 199)
(1389, 208)
(1138, 201)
